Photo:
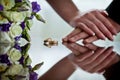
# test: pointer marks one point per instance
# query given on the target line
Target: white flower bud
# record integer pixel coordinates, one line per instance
(15, 30)
(14, 55)
(7, 4)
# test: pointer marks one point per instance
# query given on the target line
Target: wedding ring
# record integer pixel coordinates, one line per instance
(93, 34)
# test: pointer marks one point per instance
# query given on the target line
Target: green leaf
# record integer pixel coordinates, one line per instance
(29, 24)
(28, 61)
(19, 9)
(36, 67)
(26, 35)
(25, 48)
(39, 17)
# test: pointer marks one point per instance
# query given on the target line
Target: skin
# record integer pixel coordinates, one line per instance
(77, 34)
(83, 57)
(90, 23)
(60, 71)
(91, 58)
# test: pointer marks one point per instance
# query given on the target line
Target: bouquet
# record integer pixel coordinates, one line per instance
(15, 63)
(16, 19)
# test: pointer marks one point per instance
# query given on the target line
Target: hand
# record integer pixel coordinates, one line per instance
(78, 34)
(95, 22)
(90, 39)
(91, 58)
(108, 29)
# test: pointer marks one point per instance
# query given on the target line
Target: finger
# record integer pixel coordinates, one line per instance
(85, 28)
(78, 60)
(107, 22)
(90, 39)
(74, 51)
(88, 61)
(97, 63)
(91, 59)
(105, 63)
(101, 22)
(82, 58)
(92, 25)
(91, 46)
(116, 59)
(78, 47)
(74, 32)
(98, 27)
(116, 25)
(78, 37)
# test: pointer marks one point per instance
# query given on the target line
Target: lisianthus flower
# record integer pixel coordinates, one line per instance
(21, 60)
(35, 7)
(5, 27)
(22, 25)
(17, 46)
(14, 69)
(14, 16)
(1, 8)
(14, 55)
(33, 76)
(17, 38)
(4, 59)
(15, 30)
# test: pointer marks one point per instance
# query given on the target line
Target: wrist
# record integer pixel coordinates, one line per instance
(72, 22)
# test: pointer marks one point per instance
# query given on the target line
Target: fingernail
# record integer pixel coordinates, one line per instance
(111, 38)
(65, 39)
(103, 37)
(72, 40)
(115, 32)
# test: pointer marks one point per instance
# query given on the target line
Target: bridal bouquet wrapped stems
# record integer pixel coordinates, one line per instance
(16, 19)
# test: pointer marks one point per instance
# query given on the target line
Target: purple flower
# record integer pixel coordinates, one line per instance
(5, 27)
(35, 7)
(17, 38)
(21, 60)
(17, 46)
(16, 1)
(4, 59)
(33, 76)
(22, 25)
(1, 8)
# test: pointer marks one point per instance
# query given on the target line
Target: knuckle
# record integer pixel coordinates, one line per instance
(92, 25)
(88, 14)
(99, 24)
(95, 12)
